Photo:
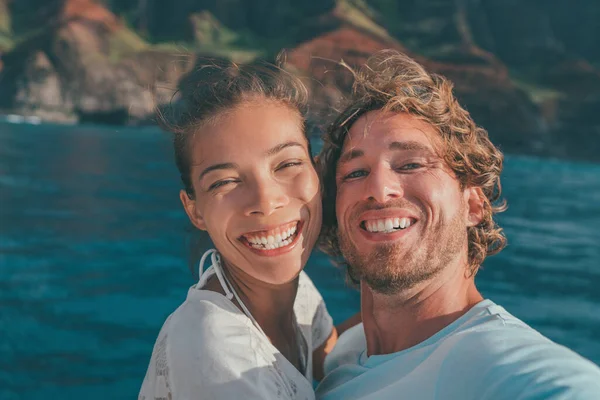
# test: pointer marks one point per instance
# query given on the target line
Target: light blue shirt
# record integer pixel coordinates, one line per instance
(487, 354)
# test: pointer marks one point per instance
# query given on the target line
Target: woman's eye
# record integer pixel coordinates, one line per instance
(289, 164)
(219, 184)
(355, 174)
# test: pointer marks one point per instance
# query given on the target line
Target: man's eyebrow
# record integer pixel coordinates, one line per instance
(409, 145)
(395, 146)
(216, 167)
(274, 150)
(350, 155)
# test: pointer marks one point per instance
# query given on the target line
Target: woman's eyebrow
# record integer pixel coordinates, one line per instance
(216, 167)
(272, 151)
(276, 149)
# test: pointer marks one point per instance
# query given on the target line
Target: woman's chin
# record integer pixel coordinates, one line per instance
(278, 276)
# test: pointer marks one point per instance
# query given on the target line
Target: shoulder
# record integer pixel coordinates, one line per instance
(510, 359)
(207, 321)
(308, 298)
(496, 334)
(348, 349)
(213, 348)
(306, 287)
(202, 337)
(311, 312)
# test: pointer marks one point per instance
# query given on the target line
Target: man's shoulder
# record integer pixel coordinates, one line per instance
(348, 348)
(486, 354)
(496, 336)
(508, 355)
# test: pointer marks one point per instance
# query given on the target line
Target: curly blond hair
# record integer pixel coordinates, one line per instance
(392, 81)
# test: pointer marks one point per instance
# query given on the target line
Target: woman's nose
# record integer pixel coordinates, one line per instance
(265, 198)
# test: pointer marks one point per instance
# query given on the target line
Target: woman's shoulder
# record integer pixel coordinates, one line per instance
(207, 319)
(308, 295)
(311, 312)
(306, 287)
(207, 345)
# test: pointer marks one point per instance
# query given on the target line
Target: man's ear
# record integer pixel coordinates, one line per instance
(189, 205)
(475, 200)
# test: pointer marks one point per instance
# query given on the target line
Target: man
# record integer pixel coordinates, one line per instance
(411, 185)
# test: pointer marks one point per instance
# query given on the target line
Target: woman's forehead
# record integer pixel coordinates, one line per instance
(252, 131)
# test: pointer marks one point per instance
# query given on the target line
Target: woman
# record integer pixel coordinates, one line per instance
(254, 326)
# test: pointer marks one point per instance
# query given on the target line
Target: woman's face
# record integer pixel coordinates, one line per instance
(256, 190)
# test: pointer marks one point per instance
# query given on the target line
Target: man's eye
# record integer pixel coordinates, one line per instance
(410, 166)
(355, 174)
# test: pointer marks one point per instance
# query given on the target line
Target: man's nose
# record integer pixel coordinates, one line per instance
(383, 185)
(265, 197)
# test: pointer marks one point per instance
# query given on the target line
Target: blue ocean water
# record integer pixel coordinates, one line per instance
(94, 255)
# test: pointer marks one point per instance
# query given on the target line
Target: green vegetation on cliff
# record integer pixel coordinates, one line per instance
(6, 41)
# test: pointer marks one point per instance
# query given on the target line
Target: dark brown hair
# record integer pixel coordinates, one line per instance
(391, 81)
(218, 86)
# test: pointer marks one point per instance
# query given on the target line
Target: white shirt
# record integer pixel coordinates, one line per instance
(209, 349)
(486, 354)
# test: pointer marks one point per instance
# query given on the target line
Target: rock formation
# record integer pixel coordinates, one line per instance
(527, 70)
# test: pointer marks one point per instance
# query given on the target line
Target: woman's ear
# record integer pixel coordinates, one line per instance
(189, 205)
(475, 201)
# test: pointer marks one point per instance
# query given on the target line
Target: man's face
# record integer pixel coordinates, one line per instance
(402, 215)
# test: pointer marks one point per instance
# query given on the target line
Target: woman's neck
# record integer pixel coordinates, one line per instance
(271, 305)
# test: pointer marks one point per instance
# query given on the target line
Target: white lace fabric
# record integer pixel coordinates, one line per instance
(208, 349)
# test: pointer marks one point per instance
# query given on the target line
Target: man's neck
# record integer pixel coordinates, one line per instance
(397, 322)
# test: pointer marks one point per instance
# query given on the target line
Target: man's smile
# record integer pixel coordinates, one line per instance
(386, 225)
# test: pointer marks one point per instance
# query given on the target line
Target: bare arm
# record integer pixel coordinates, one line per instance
(349, 323)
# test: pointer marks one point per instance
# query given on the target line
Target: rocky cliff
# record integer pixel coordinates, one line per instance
(528, 70)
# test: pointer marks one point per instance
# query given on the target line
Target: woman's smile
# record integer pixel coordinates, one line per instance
(282, 237)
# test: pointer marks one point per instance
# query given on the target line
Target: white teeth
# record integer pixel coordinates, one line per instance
(387, 225)
(370, 226)
(270, 242)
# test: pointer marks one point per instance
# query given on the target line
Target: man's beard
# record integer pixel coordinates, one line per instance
(387, 271)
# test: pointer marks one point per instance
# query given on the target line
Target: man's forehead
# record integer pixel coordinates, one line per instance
(390, 130)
